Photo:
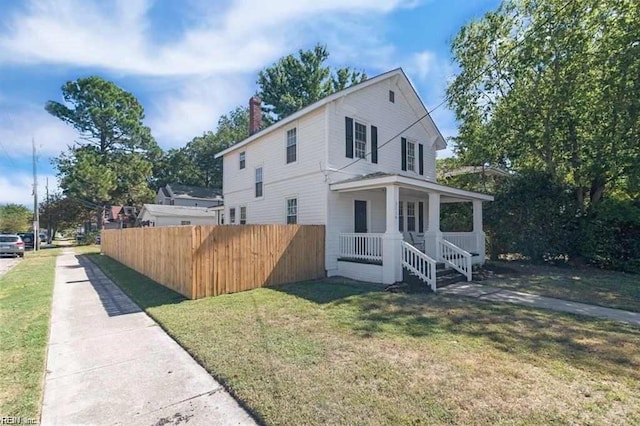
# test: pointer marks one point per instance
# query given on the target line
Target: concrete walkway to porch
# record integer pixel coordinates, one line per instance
(109, 363)
(494, 294)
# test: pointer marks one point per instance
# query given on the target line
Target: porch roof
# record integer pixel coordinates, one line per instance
(381, 180)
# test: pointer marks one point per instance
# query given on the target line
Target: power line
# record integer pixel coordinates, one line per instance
(479, 74)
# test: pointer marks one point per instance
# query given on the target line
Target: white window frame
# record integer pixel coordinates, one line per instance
(294, 145)
(242, 163)
(255, 185)
(355, 139)
(411, 205)
(286, 210)
(243, 215)
(411, 159)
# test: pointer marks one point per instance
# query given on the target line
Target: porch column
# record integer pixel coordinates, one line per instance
(391, 244)
(433, 234)
(477, 229)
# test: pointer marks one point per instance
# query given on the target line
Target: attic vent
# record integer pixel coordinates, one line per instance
(392, 96)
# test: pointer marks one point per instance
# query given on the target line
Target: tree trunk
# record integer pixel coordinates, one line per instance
(100, 217)
(597, 191)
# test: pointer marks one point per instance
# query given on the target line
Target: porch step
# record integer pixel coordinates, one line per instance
(444, 277)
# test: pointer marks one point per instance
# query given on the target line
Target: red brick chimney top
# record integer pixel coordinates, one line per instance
(255, 115)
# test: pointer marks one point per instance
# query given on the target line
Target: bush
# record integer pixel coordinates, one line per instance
(609, 236)
(531, 215)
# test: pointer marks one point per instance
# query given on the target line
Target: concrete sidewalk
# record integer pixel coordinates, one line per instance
(495, 294)
(109, 363)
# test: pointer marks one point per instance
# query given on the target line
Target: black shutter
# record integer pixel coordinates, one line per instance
(374, 144)
(420, 216)
(348, 124)
(404, 153)
(420, 159)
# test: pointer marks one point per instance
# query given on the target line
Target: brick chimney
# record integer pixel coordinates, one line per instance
(255, 115)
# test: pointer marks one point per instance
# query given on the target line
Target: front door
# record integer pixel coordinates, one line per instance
(360, 210)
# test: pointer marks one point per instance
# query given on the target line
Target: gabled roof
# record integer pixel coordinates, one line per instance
(177, 211)
(186, 191)
(322, 102)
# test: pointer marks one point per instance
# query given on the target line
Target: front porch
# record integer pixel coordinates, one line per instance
(395, 223)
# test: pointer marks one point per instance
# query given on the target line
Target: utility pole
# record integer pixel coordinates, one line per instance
(48, 201)
(36, 214)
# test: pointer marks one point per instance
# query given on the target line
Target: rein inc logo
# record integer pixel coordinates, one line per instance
(16, 420)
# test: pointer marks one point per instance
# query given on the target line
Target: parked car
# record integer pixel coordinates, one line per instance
(27, 238)
(11, 244)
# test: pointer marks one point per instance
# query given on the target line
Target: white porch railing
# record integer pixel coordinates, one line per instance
(361, 246)
(420, 264)
(457, 258)
(467, 241)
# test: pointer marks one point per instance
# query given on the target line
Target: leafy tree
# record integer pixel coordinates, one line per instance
(15, 218)
(553, 86)
(194, 164)
(113, 162)
(62, 213)
(295, 82)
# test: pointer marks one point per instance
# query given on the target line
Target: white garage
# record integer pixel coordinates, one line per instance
(162, 215)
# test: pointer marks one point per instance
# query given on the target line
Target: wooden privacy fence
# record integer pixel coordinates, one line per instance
(202, 261)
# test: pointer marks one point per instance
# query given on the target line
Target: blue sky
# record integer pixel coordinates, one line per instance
(189, 61)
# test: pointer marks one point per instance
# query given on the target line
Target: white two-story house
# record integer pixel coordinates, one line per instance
(362, 162)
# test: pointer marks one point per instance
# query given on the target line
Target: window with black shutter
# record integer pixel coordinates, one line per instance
(374, 144)
(348, 127)
(403, 153)
(421, 159)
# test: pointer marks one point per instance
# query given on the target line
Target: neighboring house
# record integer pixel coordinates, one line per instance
(159, 215)
(116, 217)
(361, 161)
(192, 196)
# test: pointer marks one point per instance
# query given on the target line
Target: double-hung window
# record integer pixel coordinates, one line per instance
(360, 140)
(232, 215)
(411, 156)
(292, 144)
(243, 215)
(292, 211)
(258, 182)
(411, 216)
(243, 159)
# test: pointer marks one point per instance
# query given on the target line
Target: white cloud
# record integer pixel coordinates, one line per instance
(17, 129)
(18, 188)
(195, 108)
(243, 37)
(431, 71)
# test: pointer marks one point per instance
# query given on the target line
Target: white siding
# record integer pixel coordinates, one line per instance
(321, 147)
(341, 206)
(176, 221)
(371, 106)
(303, 179)
(192, 202)
(359, 271)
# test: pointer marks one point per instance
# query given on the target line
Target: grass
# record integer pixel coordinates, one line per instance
(25, 309)
(588, 285)
(343, 353)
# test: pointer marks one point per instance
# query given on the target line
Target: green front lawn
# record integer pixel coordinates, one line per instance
(588, 285)
(341, 352)
(25, 309)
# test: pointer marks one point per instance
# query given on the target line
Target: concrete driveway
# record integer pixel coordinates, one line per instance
(7, 263)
